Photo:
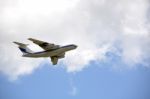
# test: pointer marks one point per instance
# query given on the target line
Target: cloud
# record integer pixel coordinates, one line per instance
(74, 90)
(96, 26)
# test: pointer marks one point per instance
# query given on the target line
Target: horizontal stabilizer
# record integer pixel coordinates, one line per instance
(20, 44)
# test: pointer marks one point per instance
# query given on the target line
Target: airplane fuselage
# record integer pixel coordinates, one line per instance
(51, 53)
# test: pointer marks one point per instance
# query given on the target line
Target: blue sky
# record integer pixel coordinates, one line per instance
(111, 61)
(94, 82)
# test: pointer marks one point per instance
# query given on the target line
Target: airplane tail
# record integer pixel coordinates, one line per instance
(23, 48)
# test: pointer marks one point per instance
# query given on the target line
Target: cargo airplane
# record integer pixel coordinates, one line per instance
(51, 50)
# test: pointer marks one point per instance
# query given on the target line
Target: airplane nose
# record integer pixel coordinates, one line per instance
(75, 46)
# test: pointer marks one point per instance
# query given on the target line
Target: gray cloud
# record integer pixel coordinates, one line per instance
(96, 26)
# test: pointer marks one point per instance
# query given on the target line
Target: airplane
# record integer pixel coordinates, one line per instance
(51, 50)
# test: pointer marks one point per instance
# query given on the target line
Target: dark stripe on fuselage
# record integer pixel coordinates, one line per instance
(67, 46)
(52, 49)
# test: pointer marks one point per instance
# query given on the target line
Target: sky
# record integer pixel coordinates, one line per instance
(112, 60)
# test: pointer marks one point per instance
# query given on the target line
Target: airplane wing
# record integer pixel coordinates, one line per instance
(44, 45)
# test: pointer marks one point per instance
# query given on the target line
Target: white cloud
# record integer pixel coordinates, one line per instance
(96, 26)
(74, 89)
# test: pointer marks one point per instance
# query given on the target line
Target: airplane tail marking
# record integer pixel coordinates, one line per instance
(23, 48)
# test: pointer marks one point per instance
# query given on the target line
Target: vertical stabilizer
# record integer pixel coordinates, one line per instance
(23, 48)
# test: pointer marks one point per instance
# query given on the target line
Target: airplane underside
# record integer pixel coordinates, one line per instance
(53, 51)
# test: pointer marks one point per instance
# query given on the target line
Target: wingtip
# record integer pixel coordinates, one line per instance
(29, 38)
(15, 42)
(20, 44)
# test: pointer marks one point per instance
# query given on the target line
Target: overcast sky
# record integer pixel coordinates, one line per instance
(109, 33)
